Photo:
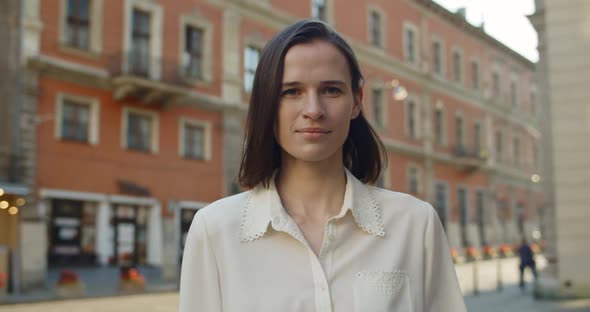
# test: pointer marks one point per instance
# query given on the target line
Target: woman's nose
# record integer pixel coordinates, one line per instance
(313, 108)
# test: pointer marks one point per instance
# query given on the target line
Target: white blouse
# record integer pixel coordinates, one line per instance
(385, 251)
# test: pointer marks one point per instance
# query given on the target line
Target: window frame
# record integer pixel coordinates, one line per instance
(460, 140)
(475, 78)
(95, 26)
(439, 107)
(442, 57)
(156, 28)
(514, 91)
(246, 70)
(93, 117)
(461, 71)
(499, 146)
(415, 58)
(418, 170)
(155, 129)
(206, 126)
(478, 137)
(381, 36)
(202, 23)
(326, 9)
(415, 115)
(380, 121)
(447, 208)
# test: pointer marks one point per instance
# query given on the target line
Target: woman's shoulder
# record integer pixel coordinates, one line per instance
(226, 210)
(392, 202)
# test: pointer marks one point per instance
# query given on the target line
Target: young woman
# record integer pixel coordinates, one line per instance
(311, 234)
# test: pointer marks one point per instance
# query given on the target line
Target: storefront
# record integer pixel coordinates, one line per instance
(99, 229)
(11, 203)
(185, 212)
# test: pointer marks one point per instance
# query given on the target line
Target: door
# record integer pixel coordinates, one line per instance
(125, 235)
(64, 232)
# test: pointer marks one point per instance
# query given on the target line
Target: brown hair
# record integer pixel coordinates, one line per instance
(363, 153)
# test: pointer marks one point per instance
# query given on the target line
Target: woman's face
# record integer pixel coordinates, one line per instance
(316, 104)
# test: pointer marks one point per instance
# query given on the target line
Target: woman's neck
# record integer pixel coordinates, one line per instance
(313, 191)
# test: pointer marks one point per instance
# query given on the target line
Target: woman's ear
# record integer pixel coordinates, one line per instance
(358, 100)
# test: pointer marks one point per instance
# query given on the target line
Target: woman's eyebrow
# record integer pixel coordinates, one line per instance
(326, 82)
(291, 83)
(334, 82)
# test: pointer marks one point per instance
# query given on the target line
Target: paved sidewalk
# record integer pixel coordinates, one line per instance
(511, 299)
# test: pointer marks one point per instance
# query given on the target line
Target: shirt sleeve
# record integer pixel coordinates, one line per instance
(199, 278)
(442, 292)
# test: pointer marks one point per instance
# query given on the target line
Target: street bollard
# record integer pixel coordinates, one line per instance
(475, 278)
(499, 273)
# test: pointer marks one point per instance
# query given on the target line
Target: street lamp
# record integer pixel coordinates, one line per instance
(398, 91)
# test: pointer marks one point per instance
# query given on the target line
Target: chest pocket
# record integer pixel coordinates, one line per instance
(379, 291)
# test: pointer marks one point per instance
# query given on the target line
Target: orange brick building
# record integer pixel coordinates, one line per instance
(145, 102)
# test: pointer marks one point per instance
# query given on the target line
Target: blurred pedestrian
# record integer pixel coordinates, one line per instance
(311, 234)
(527, 259)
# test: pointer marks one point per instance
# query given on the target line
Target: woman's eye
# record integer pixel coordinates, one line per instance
(332, 91)
(290, 92)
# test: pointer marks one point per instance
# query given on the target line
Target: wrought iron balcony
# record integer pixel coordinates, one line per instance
(142, 77)
(470, 158)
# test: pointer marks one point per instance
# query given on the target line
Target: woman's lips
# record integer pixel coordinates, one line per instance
(313, 133)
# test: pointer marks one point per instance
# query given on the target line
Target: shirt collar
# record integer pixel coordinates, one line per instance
(263, 206)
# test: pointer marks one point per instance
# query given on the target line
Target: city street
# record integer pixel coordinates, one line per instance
(488, 300)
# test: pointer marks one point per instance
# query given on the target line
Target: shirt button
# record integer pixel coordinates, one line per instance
(331, 237)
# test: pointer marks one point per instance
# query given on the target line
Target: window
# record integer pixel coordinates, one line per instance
(499, 147)
(457, 66)
(477, 139)
(475, 75)
(463, 214)
(195, 139)
(516, 151)
(141, 130)
(513, 93)
(142, 39)
(410, 43)
(459, 138)
(75, 121)
(318, 9)
(439, 126)
(140, 43)
(412, 119)
(378, 113)
(437, 57)
(441, 202)
(251, 57)
(481, 219)
(375, 29)
(413, 180)
(193, 52)
(78, 24)
(496, 84)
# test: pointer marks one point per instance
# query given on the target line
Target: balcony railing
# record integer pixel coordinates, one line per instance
(140, 76)
(470, 158)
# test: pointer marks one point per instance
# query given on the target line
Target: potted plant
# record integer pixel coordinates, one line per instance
(131, 280)
(489, 252)
(69, 285)
(471, 253)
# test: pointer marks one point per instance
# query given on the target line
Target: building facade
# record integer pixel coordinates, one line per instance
(140, 108)
(563, 72)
